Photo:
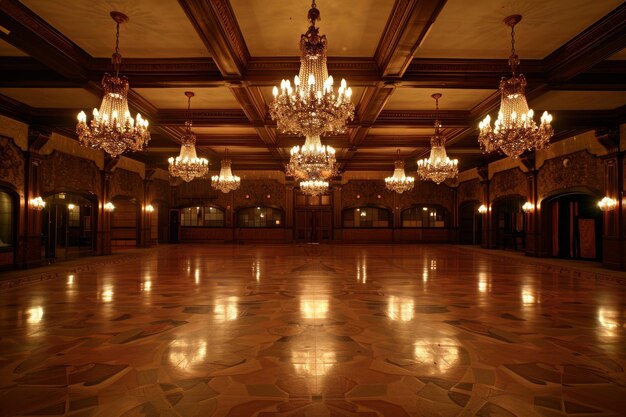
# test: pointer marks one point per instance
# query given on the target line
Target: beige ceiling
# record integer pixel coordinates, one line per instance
(462, 31)
(273, 27)
(157, 28)
(621, 55)
(451, 99)
(72, 98)
(174, 98)
(579, 100)
(6, 49)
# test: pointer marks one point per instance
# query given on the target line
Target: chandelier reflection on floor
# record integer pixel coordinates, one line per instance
(187, 165)
(312, 107)
(226, 181)
(112, 128)
(399, 182)
(514, 131)
(438, 167)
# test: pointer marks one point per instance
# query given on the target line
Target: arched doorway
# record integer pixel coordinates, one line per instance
(125, 222)
(573, 225)
(8, 227)
(68, 226)
(470, 223)
(509, 222)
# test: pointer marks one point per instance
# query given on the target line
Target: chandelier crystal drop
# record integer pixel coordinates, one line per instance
(399, 182)
(438, 167)
(187, 165)
(312, 161)
(314, 187)
(514, 131)
(226, 181)
(312, 106)
(112, 128)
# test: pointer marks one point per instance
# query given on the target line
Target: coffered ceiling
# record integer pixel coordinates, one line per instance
(394, 53)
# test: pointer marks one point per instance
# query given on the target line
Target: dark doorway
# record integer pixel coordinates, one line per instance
(470, 224)
(313, 218)
(69, 221)
(509, 223)
(574, 226)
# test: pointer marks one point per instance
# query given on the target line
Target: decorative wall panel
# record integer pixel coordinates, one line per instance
(160, 191)
(257, 192)
(363, 192)
(427, 192)
(61, 171)
(11, 163)
(127, 184)
(509, 182)
(469, 190)
(568, 171)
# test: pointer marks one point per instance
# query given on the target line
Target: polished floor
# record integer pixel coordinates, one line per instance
(286, 330)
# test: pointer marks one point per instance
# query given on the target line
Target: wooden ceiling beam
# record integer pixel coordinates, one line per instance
(406, 28)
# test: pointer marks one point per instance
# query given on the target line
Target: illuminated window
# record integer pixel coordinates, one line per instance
(204, 216)
(424, 216)
(367, 217)
(260, 217)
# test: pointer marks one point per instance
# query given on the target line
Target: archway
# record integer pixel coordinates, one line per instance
(8, 226)
(509, 222)
(572, 223)
(68, 225)
(470, 223)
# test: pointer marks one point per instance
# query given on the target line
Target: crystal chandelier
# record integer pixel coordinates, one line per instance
(226, 181)
(399, 182)
(112, 129)
(515, 130)
(187, 165)
(314, 187)
(438, 166)
(312, 107)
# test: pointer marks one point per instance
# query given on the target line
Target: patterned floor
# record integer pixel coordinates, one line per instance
(290, 330)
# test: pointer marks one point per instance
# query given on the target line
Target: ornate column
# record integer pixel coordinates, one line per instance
(103, 240)
(487, 239)
(613, 241)
(337, 207)
(534, 242)
(289, 210)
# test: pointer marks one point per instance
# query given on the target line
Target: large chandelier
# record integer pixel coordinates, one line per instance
(314, 187)
(399, 182)
(438, 166)
(226, 181)
(112, 129)
(515, 130)
(187, 165)
(312, 107)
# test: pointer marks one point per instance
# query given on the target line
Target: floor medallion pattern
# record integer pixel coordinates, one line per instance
(329, 330)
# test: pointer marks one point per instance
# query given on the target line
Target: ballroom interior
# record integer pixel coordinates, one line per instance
(312, 208)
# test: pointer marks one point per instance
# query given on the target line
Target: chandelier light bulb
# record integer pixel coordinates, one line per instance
(314, 187)
(514, 131)
(105, 131)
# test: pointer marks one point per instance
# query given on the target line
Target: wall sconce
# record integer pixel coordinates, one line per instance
(269, 196)
(109, 207)
(247, 196)
(71, 206)
(37, 203)
(358, 196)
(528, 207)
(379, 196)
(607, 204)
(482, 209)
(149, 208)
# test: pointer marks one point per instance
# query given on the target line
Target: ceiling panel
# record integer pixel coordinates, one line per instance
(621, 55)
(461, 31)
(451, 99)
(224, 130)
(273, 27)
(72, 98)
(401, 131)
(157, 28)
(174, 98)
(6, 49)
(579, 100)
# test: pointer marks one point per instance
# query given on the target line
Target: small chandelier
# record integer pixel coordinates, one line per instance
(528, 207)
(438, 167)
(312, 107)
(399, 182)
(314, 187)
(312, 161)
(515, 130)
(187, 165)
(37, 203)
(226, 181)
(112, 129)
